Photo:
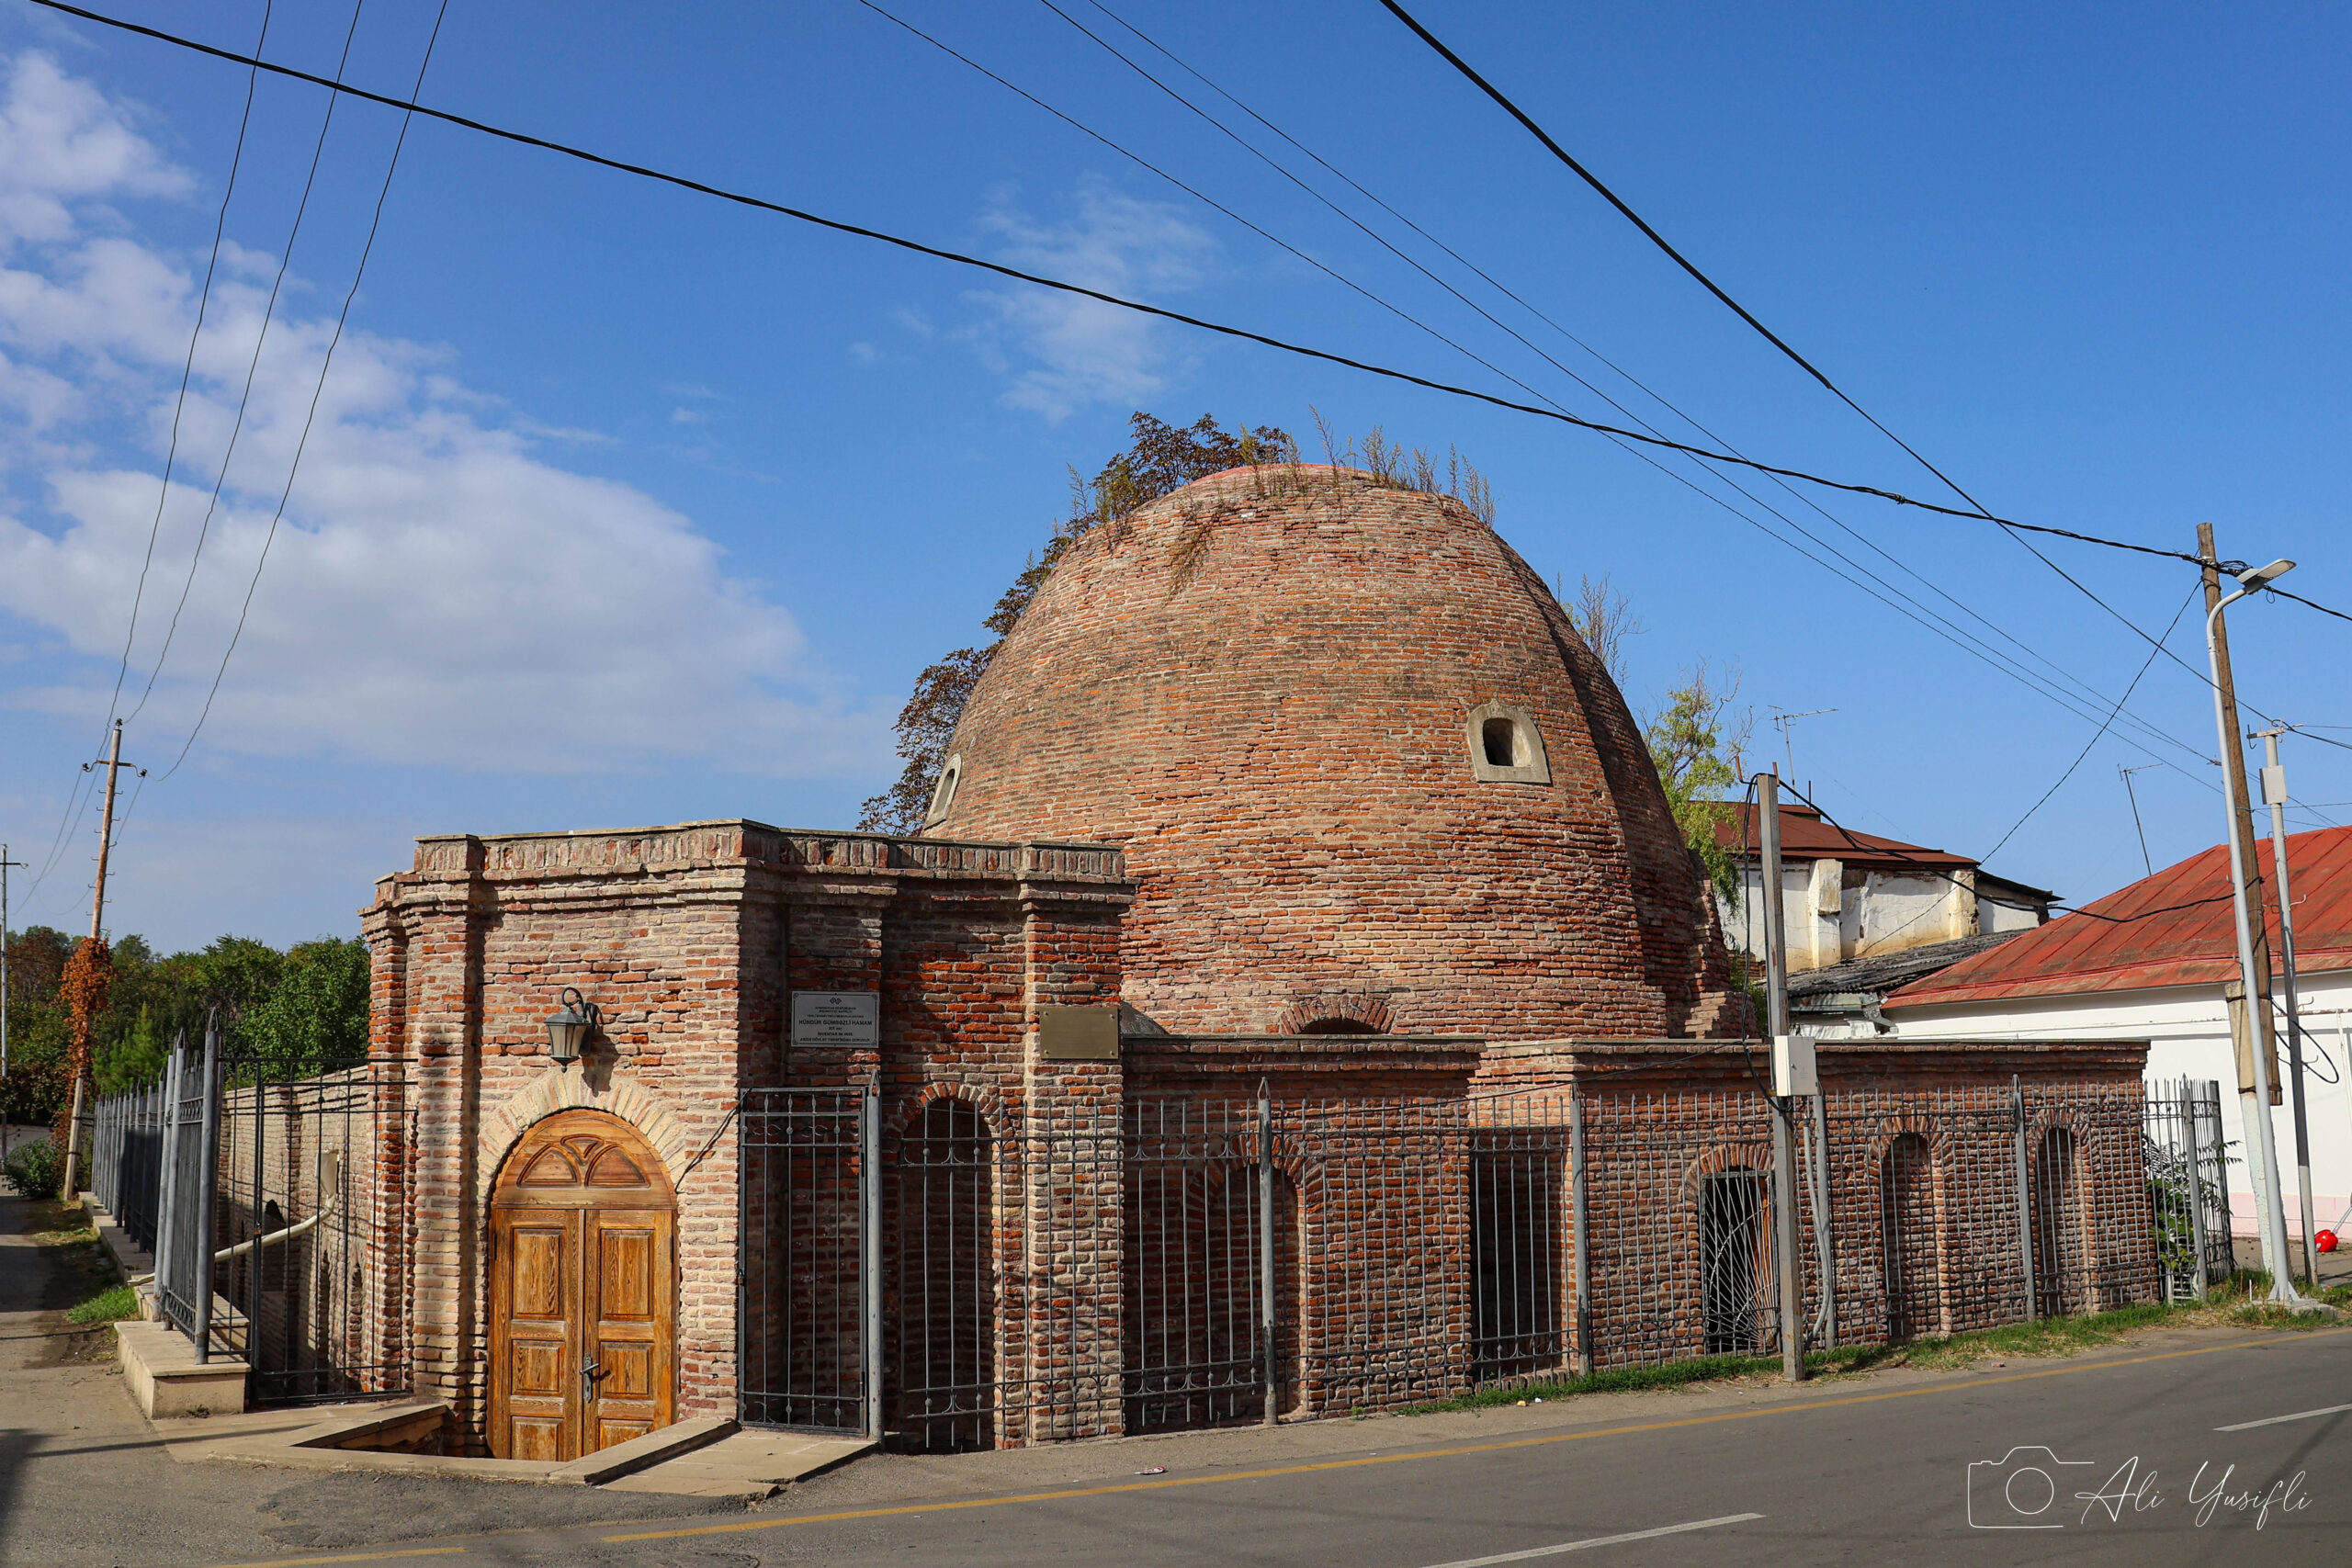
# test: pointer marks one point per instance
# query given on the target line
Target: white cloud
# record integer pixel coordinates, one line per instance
(1086, 352)
(437, 594)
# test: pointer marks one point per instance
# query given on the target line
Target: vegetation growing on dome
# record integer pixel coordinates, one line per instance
(1390, 464)
(1162, 459)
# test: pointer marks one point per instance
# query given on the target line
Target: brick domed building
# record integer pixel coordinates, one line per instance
(1365, 774)
(1298, 1002)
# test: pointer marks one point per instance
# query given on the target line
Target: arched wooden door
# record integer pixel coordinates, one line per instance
(584, 1289)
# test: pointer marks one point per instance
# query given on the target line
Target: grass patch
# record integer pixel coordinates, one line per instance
(106, 1306)
(2236, 1304)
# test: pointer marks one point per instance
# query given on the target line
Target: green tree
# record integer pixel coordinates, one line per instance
(38, 1038)
(315, 1016)
(1697, 741)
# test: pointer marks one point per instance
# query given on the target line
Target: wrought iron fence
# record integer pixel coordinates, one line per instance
(127, 1159)
(187, 1189)
(310, 1167)
(987, 1279)
(2188, 1187)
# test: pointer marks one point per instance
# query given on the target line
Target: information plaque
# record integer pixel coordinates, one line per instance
(836, 1017)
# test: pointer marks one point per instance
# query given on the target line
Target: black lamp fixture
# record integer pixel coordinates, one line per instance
(568, 1031)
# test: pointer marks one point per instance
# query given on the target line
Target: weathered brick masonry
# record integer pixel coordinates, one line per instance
(1309, 780)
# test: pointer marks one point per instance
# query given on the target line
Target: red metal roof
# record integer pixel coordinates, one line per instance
(1807, 835)
(2173, 929)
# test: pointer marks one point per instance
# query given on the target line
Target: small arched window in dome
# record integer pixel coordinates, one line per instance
(943, 793)
(1505, 747)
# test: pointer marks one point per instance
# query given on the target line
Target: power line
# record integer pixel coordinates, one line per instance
(2000, 662)
(77, 801)
(1660, 242)
(2097, 735)
(1061, 286)
(327, 361)
(252, 366)
(1916, 611)
(1709, 284)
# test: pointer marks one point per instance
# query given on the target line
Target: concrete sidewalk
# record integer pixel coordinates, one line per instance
(84, 1480)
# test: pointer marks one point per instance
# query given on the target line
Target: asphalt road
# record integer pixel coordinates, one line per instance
(2138, 1470)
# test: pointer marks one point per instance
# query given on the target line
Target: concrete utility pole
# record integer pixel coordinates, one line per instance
(2250, 1009)
(2259, 1094)
(2274, 796)
(113, 764)
(1784, 1154)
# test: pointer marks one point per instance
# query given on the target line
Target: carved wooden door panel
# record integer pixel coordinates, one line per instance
(582, 1291)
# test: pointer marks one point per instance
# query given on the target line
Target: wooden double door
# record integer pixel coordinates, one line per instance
(583, 1289)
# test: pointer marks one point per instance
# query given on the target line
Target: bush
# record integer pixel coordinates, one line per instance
(33, 1169)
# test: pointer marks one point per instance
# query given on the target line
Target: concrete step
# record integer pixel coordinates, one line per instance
(749, 1465)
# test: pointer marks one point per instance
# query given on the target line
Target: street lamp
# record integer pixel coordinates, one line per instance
(2272, 1214)
(569, 1029)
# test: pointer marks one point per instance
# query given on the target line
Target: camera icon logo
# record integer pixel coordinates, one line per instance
(2019, 1491)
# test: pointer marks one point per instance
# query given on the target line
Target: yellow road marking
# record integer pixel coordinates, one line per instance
(1799, 1408)
(357, 1557)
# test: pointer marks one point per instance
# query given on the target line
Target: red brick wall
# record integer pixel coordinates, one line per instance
(1258, 687)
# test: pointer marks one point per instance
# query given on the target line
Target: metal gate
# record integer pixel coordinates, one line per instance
(2189, 1189)
(1209, 1223)
(807, 1299)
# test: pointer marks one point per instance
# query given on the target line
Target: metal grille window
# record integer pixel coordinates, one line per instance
(1909, 1234)
(940, 1381)
(2057, 1225)
(807, 1265)
(1734, 1241)
(1516, 1234)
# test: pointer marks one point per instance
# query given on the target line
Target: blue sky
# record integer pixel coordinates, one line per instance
(624, 505)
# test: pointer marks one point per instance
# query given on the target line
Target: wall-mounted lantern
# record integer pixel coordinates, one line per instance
(569, 1029)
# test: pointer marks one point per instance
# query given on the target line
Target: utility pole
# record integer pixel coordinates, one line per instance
(2274, 796)
(5, 864)
(2249, 1011)
(2261, 1092)
(1784, 1153)
(113, 764)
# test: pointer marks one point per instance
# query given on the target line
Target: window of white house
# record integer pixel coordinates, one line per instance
(1505, 747)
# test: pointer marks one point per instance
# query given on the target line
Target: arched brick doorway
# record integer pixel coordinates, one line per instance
(583, 1289)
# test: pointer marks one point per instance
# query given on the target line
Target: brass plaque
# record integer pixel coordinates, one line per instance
(1078, 1034)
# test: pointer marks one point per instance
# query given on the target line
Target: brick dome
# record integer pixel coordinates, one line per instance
(1366, 776)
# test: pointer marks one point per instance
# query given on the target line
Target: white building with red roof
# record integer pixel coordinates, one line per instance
(2151, 962)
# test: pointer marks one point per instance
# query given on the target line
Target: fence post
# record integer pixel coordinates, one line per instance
(2025, 1195)
(1577, 1217)
(1268, 1323)
(2196, 1183)
(869, 1259)
(165, 1184)
(208, 1185)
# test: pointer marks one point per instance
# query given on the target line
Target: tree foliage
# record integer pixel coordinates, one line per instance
(1696, 742)
(286, 1014)
(1162, 459)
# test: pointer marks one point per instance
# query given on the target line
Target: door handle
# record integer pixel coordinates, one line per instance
(588, 1382)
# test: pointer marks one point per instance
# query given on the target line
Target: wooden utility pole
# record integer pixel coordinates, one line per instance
(2250, 1028)
(5, 864)
(114, 765)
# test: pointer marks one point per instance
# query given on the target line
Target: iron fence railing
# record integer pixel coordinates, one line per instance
(972, 1278)
(127, 1159)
